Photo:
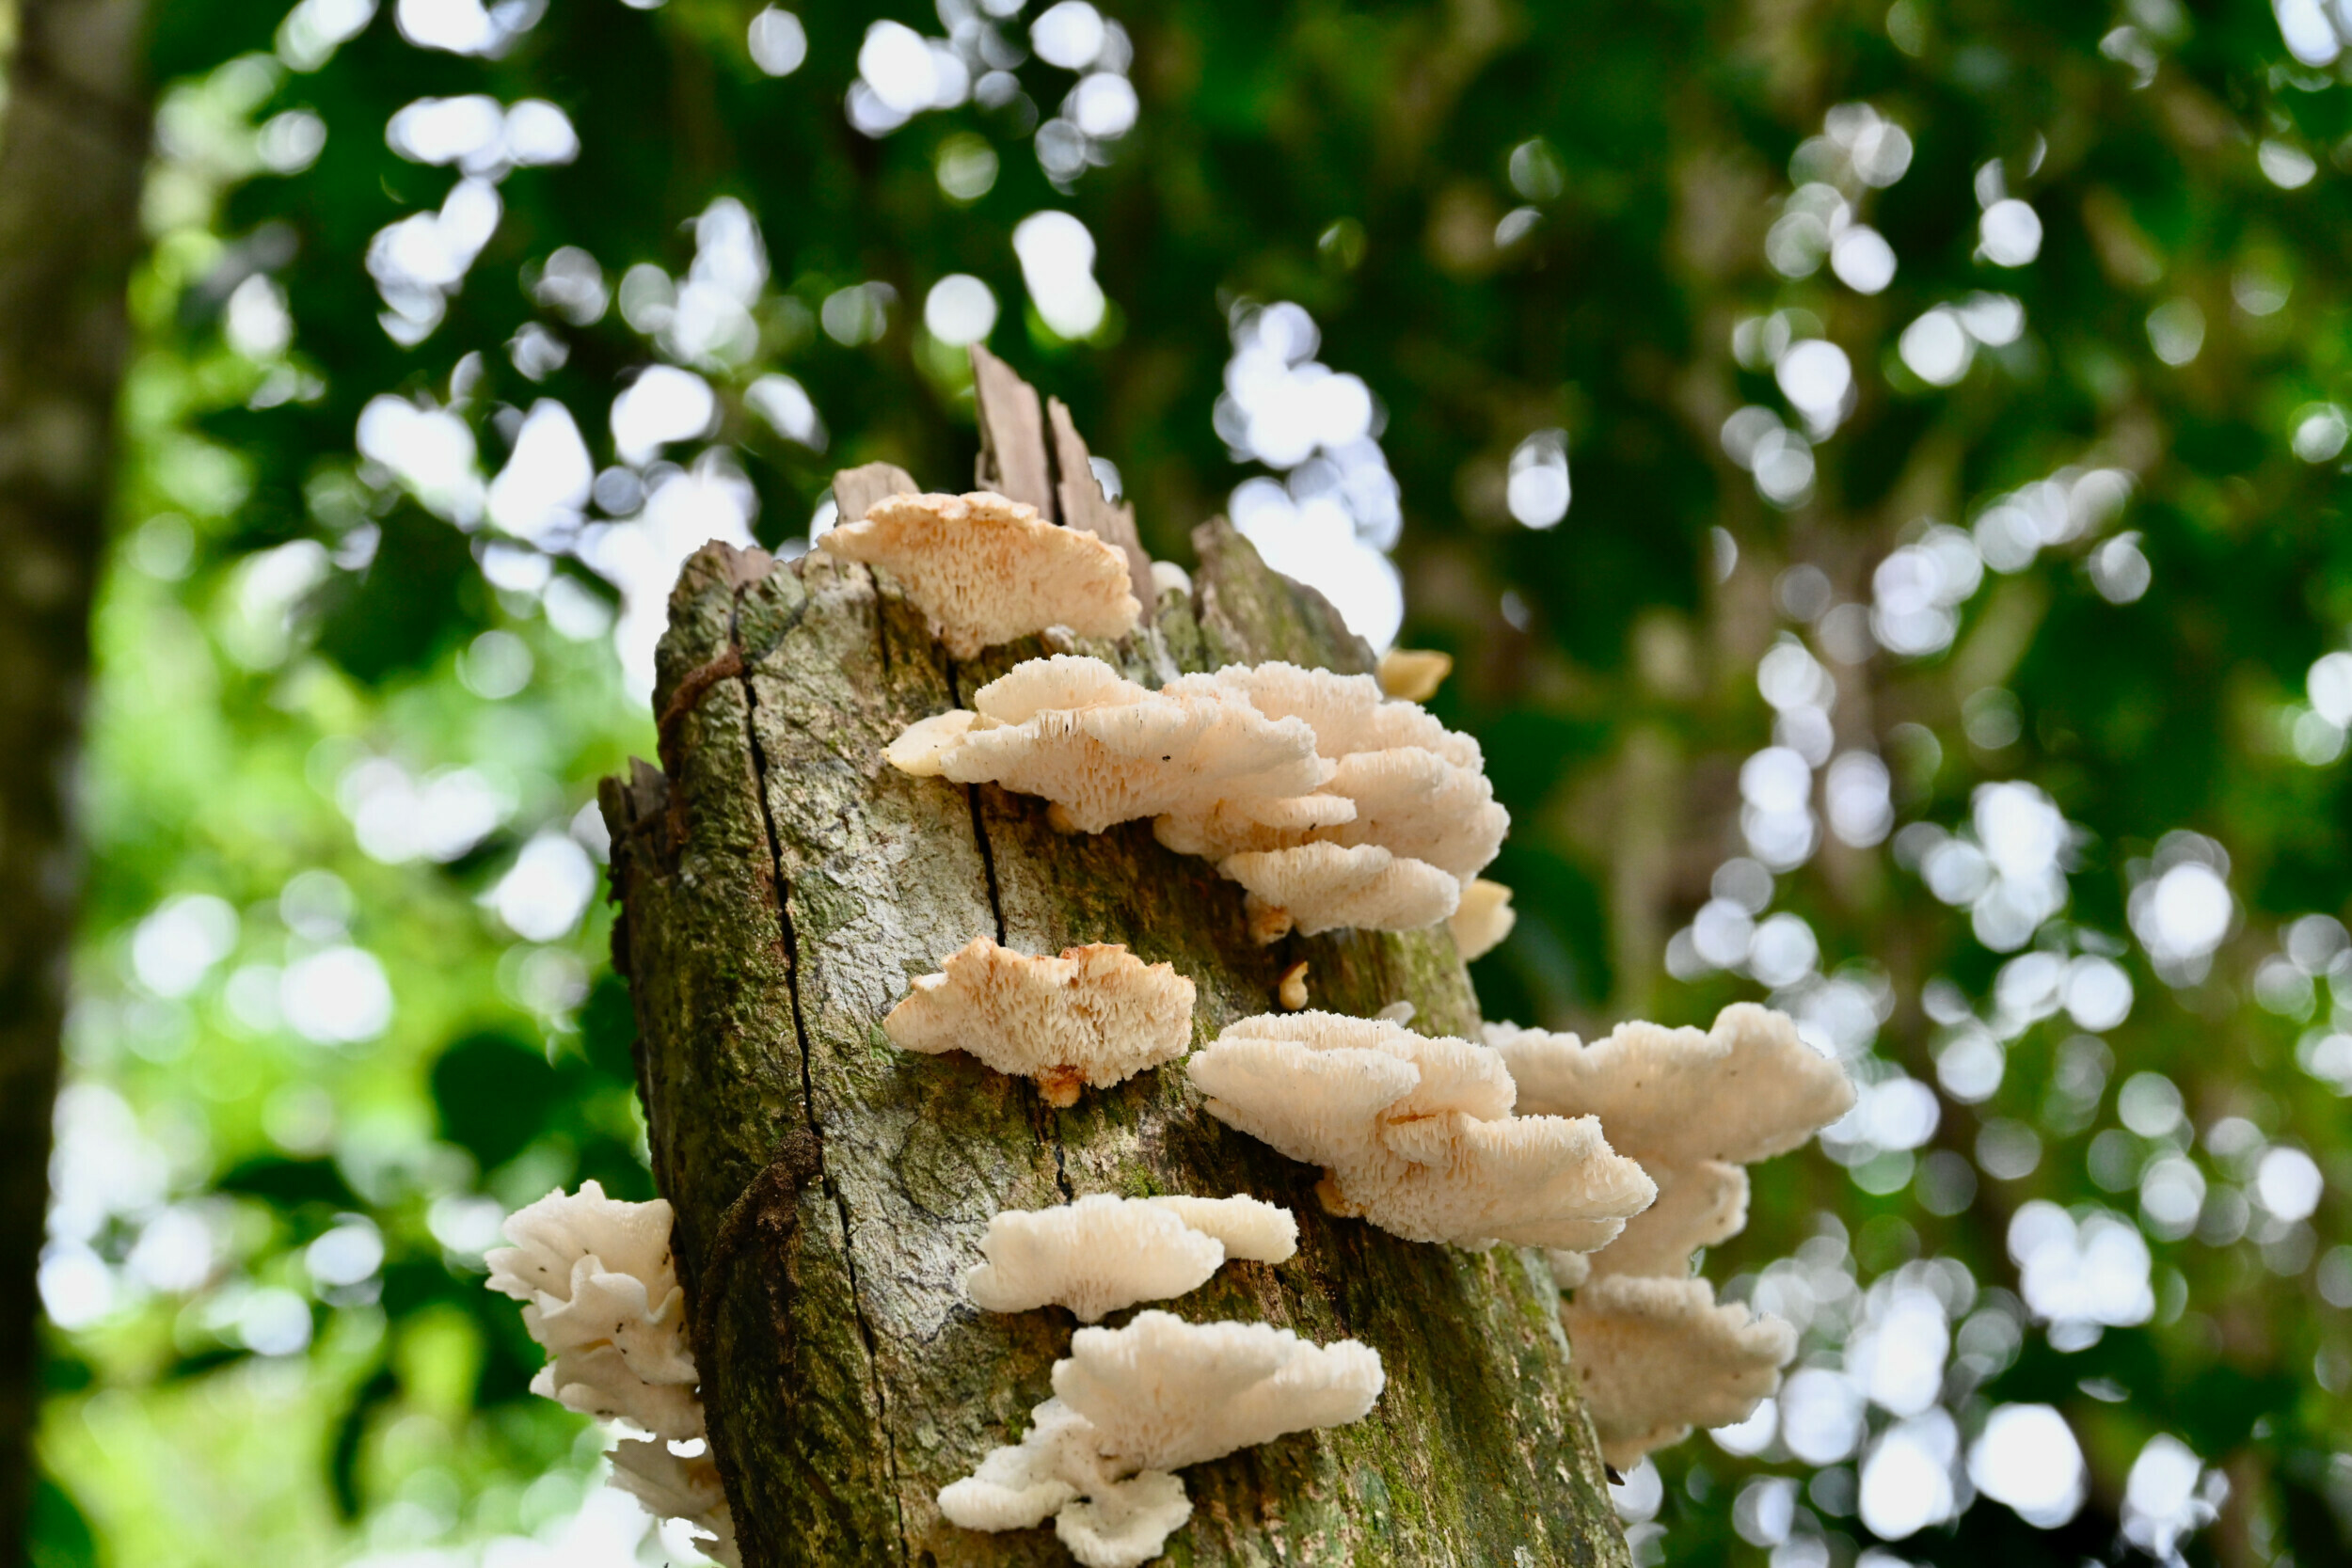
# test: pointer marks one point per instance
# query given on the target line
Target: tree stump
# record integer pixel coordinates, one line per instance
(781, 885)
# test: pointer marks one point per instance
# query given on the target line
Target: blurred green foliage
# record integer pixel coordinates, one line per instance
(2072, 523)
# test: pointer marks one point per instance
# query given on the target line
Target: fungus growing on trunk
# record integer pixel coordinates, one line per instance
(1132, 1405)
(1097, 1015)
(1658, 1355)
(1659, 1358)
(1331, 804)
(1416, 1134)
(1323, 887)
(1106, 750)
(1482, 918)
(601, 1292)
(1103, 1252)
(602, 1295)
(985, 570)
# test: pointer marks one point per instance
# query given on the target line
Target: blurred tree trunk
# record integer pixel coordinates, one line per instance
(72, 145)
(781, 885)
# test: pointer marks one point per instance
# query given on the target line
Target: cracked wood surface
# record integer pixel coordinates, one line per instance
(782, 885)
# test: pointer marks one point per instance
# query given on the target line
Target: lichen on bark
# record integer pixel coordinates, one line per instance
(780, 886)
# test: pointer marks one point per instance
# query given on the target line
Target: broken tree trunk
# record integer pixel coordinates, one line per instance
(781, 885)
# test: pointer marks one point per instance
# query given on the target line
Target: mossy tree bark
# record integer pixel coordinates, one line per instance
(781, 885)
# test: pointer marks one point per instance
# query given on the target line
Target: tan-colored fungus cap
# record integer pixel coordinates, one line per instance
(1106, 750)
(1744, 1090)
(985, 570)
(1247, 1228)
(1412, 675)
(1096, 1015)
(1106, 1511)
(1482, 918)
(1416, 1134)
(1323, 887)
(1292, 991)
(1162, 1393)
(1659, 1358)
(671, 1488)
(1094, 1256)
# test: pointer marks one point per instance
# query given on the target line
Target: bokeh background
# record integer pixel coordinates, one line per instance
(1879, 470)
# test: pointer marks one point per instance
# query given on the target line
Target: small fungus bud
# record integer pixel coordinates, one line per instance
(1413, 675)
(1293, 991)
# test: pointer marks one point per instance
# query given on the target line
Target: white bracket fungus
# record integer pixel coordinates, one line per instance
(1658, 1355)
(1104, 1252)
(1416, 1134)
(1106, 750)
(1132, 1405)
(599, 1291)
(1324, 887)
(1333, 806)
(1659, 1358)
(1482, 918)
(1745, 1090)
(985, 570)
(1097, 1015)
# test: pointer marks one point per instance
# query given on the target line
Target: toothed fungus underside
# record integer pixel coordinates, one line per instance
(1103, 1252)
(1417, 1134)
(1132, 1405)
(1331, 804)
(1097, 1015)
(600, 1293)
(1694, 1107)
(985, 570)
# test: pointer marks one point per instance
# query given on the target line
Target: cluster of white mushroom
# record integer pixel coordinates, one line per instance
(600, 1293)
(1416, 1134)
(1132, 1405)
(1658, 1355)
(1331, 804)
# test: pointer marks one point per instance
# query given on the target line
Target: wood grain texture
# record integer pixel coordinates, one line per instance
(781, 885)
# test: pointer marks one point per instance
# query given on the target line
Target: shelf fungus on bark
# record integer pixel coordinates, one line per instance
(1416, 1134)
(1132, 1405)
(1660, 1356)
(1095, 1016)
(1332, 805)
(1102, 1253)
(985, 570)
(1482, 919)
(1695, 1108)
(1325, 887)
(600, 1293)
(1106, 750)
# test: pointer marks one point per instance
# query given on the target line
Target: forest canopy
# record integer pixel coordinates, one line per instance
(1874, 469)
